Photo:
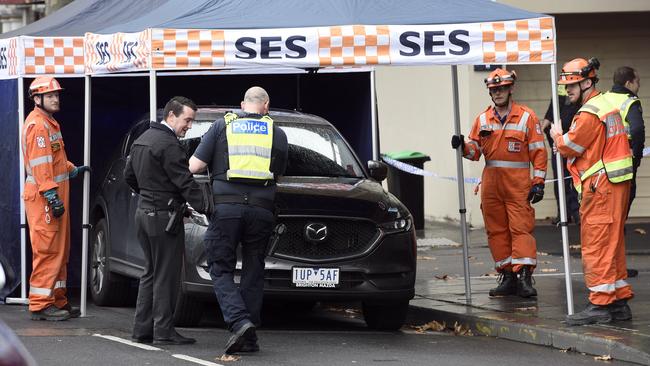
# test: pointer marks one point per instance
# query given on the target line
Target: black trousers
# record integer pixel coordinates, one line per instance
(231, 225)
(572, 204)
(163, 256)
(635, 166)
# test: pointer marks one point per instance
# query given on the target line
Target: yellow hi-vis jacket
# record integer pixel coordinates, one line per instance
(623, 102)
(249, 147)
(616, 159)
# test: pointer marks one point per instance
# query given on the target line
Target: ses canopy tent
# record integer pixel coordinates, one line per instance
(92, 38)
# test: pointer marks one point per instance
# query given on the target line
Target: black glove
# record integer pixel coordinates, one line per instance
(55, 203)
(458, 141)
(536, 193)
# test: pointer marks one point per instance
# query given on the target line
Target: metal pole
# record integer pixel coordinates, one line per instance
(23, 300)
(562, 200)
(373, 114)
(461, 187)
(86, 198)
(152, 95)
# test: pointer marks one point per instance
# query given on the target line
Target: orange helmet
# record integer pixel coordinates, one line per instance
(42, 85)
(500, 77)
(577, 70)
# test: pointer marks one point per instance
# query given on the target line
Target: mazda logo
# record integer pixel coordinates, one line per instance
(316, 232)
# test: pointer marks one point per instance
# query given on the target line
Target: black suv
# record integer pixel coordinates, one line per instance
(343, 237)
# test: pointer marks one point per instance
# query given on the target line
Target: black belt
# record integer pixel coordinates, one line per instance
(244, 200)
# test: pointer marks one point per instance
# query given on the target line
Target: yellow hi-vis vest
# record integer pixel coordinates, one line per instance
(249, 147)
(617, 159)
(623, 102)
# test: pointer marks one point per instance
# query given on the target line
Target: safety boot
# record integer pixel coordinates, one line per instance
(74, 311)
(51, 313)
(591, 314)
(507, 284)
(525, 282)
(620, 310)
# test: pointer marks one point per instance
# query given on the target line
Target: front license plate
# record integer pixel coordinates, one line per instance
(315, 277)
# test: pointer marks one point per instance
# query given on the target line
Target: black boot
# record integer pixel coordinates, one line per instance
(591, 314)
(620, 310)
(525, 282)
(51, 313)
(507, 284)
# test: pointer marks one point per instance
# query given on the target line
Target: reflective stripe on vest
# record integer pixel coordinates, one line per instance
(34, 162)
(522, 125)
(616, 159)
(250, 141)
(536, 145)
(507, 164)
(485, 126)
(624, 101)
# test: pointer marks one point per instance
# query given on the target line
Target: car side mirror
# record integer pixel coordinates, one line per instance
(378, 170)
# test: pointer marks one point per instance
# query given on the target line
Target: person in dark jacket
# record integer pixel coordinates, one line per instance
(567, 111)
(245, 152)
(157, 169)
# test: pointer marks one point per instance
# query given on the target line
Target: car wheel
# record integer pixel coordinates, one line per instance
(390, 316)
(189, 310)
(106, 288)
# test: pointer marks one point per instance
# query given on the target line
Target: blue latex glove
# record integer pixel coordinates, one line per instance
(79, 170)
(55, 203)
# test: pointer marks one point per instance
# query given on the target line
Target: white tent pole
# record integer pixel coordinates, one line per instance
(23, 226)
(373, 114)
(461, 187)
(152, 95)
(562, 194)
(86, 198)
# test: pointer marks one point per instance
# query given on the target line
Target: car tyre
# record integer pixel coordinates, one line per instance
(390, 316)
(189, 310)
(106, 288)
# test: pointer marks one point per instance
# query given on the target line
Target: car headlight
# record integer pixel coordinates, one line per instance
(397, 226)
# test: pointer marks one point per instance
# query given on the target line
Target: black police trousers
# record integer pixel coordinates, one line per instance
(230, 225)
(163, 256)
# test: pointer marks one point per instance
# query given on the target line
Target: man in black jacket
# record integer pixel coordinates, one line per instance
(157, 169)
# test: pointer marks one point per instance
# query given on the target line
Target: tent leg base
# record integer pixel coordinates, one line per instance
(16, 301)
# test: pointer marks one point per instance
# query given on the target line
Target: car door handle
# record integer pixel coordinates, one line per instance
(112, 178)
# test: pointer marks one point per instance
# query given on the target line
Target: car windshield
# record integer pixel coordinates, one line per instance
(314, 150)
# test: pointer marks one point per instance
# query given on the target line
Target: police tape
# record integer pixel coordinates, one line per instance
(417, 171)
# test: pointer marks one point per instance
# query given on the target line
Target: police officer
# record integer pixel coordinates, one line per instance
(157, 169)
(245, 153)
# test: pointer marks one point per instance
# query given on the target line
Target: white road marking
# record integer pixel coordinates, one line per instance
(196, 360)
(127, 342)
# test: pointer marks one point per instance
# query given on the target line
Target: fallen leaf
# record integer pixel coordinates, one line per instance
(432, 325)
(549, 269)
(425, 258)
(565, 350)
(603, 358)
(545, 262)
(530, 308)
(542, 253)
(462, 329)
(228, 358)
(640, 231)
(490, 274)
(575, 246)
(443, 277)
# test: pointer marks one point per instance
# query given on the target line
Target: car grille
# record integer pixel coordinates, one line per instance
(345, 238)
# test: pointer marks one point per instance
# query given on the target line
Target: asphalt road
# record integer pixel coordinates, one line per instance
(328, 335)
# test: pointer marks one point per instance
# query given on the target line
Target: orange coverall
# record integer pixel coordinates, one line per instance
(509, 148)
(46, 167)
(603, 211)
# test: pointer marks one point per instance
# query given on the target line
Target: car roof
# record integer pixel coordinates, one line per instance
(211, 113)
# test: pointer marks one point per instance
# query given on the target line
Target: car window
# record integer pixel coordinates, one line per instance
(318, 150)
(314, 150)
(135, 132)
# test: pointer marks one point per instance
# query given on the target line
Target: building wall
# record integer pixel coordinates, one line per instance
(416, 112)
